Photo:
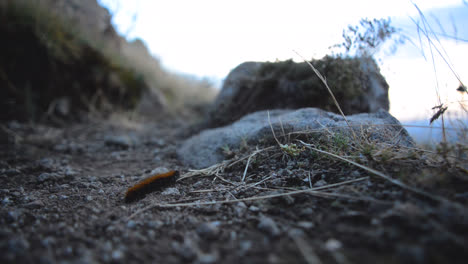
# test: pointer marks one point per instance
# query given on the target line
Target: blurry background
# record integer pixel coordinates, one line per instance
(206, 39)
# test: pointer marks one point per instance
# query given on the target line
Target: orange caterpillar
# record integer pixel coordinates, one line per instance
(150, 184)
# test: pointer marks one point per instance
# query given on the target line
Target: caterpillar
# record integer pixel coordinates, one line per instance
(150, 184)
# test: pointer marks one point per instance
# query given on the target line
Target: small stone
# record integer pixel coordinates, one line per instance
(305, 224)
(89, 198)
(333, 244)
(68, 250)
(48, 177)
(240, 209)
(69, 172)
(254, 208)
(13, 216)
(123, 142)
(117, 255)
(171, 191)
(269, 226)
(34, 204)
(183, 250)
(131, 224)
(209, 230)
(47, 163)
(18, 246)
(6, 201)
(208, 258)
(245, 246)
(11, 172)
(159, 170)
(155, 224)
(320, 183)
(307, 211)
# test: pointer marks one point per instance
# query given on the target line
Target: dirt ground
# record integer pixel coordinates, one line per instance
(62, 201)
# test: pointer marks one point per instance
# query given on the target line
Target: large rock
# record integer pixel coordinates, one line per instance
(205, 149)
(252, 86)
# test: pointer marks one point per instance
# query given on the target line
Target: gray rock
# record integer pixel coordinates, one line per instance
(253, 86)
(205, 149)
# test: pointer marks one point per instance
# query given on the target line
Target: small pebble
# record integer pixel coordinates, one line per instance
(155, 224)
(117, 255)
(131, 224)
(305, 224)
(45, 176)
(6, 201)
(240, 209)
(245, 246)
(11, 172)
(171, 191)
(333, 244)
(34, 204)
(254, 208)
(183, 250)
(269, 226)
(208, 258)
(123, 142)
(209, 230)
(320, 183)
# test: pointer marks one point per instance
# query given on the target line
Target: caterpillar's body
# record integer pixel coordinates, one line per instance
(150, 184)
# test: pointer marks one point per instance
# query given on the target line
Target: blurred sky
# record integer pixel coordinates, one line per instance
(208, 38)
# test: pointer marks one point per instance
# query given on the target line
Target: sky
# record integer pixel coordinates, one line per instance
(208, 38)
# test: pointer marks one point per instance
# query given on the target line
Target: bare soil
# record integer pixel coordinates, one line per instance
(62, 201)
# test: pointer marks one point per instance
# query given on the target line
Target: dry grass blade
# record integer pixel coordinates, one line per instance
(248, 163)
(331, 93)
(314, 191)
(273, 131)
(378, 173)
(212, 170)
(220, 167)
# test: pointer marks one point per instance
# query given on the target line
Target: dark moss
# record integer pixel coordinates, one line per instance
(291, 85)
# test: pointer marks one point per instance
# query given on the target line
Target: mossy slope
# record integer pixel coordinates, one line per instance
(43, 58)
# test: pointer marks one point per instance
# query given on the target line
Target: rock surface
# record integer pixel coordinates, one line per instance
(205, 148)
(252, 86)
